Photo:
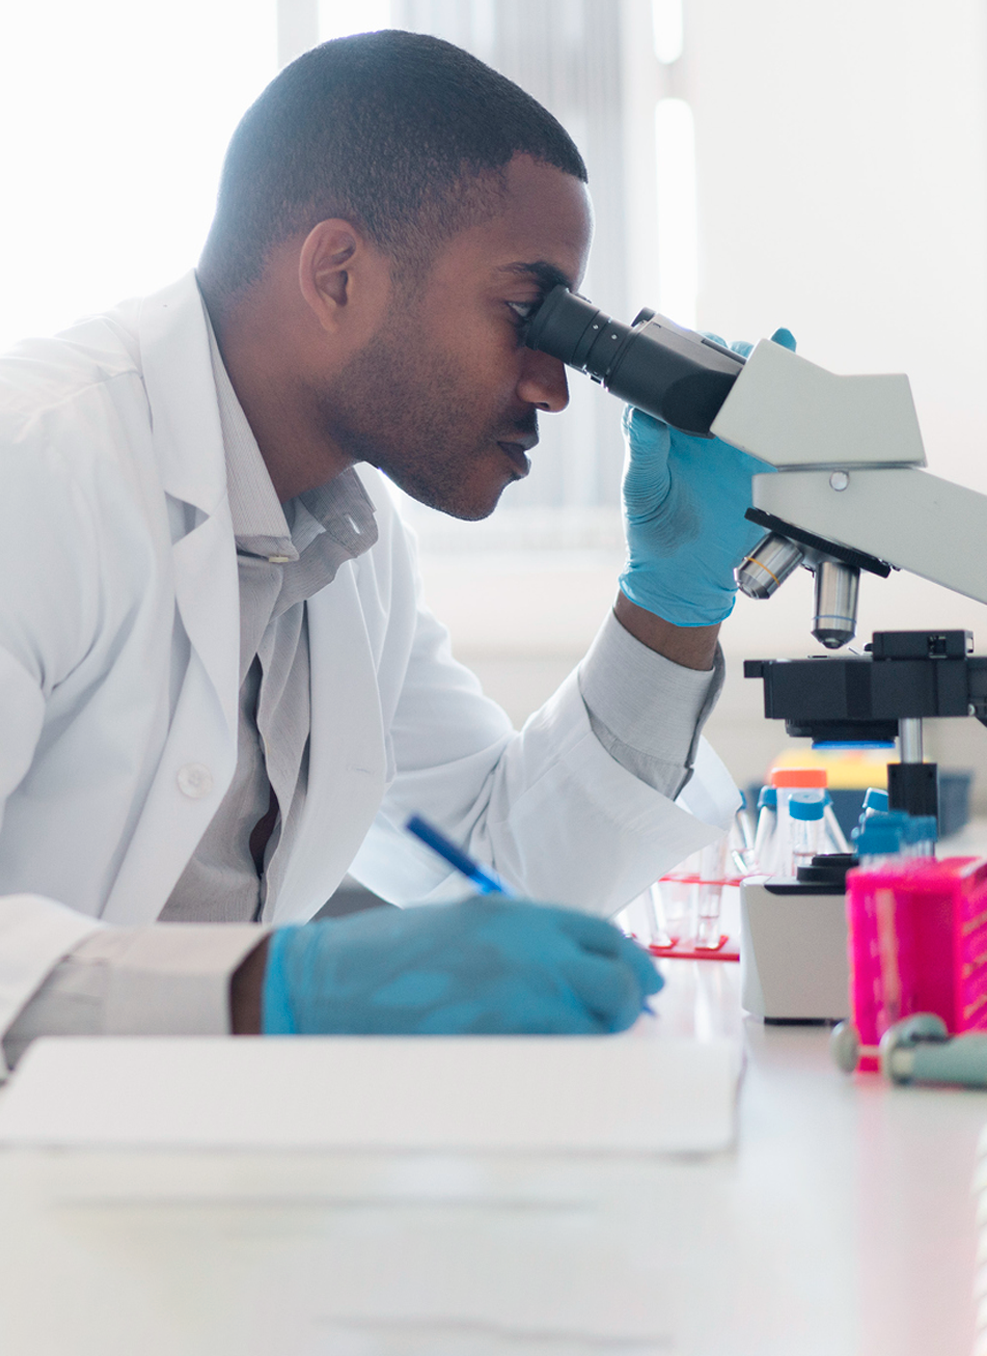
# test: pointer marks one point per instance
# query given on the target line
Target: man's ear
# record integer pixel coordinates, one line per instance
(342, 277)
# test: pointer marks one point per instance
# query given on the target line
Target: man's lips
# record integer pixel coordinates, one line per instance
(515, 452)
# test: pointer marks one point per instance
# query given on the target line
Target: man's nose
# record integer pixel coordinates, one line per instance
(543, 382)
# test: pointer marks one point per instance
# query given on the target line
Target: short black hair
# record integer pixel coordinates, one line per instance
(381, 129)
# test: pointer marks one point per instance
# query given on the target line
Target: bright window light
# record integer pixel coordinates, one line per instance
(666, 22)
(116, 116)
(678, 243)
(339, 18)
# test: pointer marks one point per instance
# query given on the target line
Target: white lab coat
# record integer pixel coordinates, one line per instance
(119, 670)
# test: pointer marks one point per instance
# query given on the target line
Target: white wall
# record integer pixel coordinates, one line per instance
(842, 179)
(841, 173)
(116, 114)
(842, 160)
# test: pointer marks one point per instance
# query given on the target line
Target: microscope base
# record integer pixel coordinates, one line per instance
(793, 953)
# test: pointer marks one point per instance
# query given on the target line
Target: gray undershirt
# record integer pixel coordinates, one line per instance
(284, 556)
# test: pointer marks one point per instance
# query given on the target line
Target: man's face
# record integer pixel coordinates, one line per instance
(445, 397)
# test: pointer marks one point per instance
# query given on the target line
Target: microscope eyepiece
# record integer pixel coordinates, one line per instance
(673, 373)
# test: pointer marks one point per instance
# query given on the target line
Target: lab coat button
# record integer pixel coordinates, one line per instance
(194, 780)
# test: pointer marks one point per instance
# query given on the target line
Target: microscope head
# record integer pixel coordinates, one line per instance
(798, 418)
(813, 426)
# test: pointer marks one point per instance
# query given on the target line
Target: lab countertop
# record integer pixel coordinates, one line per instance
(842, 1224)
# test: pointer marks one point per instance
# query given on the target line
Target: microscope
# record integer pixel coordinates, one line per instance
(848, 496)
(851, 498)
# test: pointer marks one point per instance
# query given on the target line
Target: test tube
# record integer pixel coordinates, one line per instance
(711, 875)
(658, 923)
(677, 895)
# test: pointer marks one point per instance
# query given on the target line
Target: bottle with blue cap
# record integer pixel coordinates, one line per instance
(920, 836)
(806, 811)
(809, 785)
(879, 839)
(875, 802)
(766, 833)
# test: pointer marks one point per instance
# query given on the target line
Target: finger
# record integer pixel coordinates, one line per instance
(597, 935)
(641, 962)
(646, 476)
(639, 423)
(534, 1009)
(607, 988)
(591, 932)
(785, 338)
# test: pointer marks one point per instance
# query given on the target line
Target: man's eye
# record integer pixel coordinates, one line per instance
(523, 310)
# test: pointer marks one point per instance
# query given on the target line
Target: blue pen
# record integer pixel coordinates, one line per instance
(485, 880)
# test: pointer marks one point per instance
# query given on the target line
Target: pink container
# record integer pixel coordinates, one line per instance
(917, 936)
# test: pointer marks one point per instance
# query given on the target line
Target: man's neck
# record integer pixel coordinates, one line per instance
(269, 386)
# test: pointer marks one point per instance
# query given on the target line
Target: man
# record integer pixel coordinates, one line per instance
(220, 689)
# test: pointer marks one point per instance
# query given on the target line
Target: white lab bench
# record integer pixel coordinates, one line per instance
(841, 1225)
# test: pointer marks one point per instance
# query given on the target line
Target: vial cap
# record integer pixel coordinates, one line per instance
(875, 799)
(897, 819)
(799, 776)
(922, 829)
(803, 808)
(768, 797)
(879, 840)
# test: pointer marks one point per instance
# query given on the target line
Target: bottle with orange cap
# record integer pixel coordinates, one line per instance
(807, 785)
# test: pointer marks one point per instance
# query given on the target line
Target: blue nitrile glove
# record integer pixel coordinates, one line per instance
(684, 505)
(485, 966)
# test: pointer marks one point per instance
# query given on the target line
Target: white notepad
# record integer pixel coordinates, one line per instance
(617, 1094)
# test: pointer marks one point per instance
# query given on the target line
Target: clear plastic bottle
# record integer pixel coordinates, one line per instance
(788, 781)
(834, 839)
(806, 811)
(742, 833)
(765, 836)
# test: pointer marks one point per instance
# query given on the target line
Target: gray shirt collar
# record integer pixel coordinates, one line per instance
(341, 508)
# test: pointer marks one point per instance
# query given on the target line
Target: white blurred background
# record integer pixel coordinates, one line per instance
(822, 167)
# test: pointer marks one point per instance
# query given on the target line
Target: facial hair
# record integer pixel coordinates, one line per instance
(407, 410)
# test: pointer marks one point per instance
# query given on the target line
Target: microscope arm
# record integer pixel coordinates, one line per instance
(847, 451)
(904, 516)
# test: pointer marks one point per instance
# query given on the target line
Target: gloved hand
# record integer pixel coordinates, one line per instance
(684, 505)
(485, 966)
